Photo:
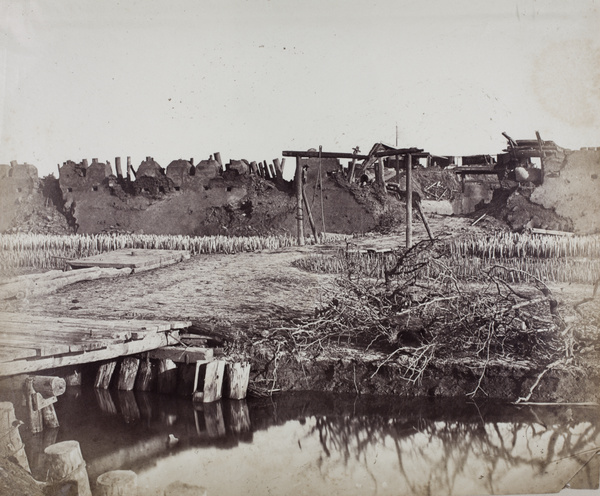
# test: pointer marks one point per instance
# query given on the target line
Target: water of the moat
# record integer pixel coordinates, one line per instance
(313, 443)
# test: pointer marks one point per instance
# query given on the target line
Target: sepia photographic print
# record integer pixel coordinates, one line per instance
(277, 247)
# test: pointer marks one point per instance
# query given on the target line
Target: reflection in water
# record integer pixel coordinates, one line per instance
(329, 444)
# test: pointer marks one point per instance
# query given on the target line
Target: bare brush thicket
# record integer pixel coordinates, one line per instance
(416, 307)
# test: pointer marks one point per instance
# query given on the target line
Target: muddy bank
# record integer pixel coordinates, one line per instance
(347, 371)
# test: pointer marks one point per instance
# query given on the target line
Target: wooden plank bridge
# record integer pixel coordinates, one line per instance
(35, 343)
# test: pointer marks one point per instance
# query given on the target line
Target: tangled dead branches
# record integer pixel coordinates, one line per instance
(415, 317)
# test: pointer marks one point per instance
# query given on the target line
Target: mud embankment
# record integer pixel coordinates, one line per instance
(355, 374)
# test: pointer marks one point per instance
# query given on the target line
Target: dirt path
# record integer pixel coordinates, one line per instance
(237, 289)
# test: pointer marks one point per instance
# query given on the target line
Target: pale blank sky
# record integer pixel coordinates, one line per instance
(180, 79)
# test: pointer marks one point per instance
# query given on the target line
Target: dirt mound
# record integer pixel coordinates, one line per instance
(566, 199)
(570, 189)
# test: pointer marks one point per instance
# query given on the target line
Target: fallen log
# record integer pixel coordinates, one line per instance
(32, 286)
(49, 386)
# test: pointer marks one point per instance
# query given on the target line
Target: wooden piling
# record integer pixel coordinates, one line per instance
(116, 483)
(208, 381)
(34, 416)
(185, 379)
(118, 167)
(218, 159)
(127, 373)
(41, 393)
(264, 171)
(104, 374)
(65, 467)
(167, 376)
(129, 168)
(278, 168)
(73, 378)
(213, 381)
(235, 384)
(11, 445)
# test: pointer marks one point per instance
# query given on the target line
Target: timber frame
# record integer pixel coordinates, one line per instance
(375, 156)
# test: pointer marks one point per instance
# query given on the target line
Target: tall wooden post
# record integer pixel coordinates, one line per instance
(542, 154)
(310, 217)
(118, 167)
(235, 384)
(129, 168)
(127, 373)
(397, 169)
(409, 201)
(218, 159)
(146, 378)
(104, 374)
(299, 214)
(34, 415)
(278, 168)
(380, 172)
(321, 188)
(167, 376)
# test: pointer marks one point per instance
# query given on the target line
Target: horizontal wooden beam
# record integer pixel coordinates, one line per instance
(150, 342)
(415, 152)
(181, 354)
(315, 154)
(477, 170)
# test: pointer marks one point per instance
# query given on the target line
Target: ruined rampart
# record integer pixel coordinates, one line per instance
(239, 197)
(532, 184)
